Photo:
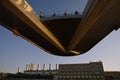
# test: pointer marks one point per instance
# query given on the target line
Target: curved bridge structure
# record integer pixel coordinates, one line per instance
(66, 35)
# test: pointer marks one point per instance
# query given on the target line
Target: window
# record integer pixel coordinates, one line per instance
(75, 73)
(98, 76)
(67, 76)
(94, 76)
(82, 76)
(63, 76)
(78, 76)
(86, 76)
(75, 77)
(71, 76)
(60, 76)
(90, 76)
(102, 76)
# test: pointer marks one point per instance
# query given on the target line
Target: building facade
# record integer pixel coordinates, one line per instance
(90, 71)
(112, 75)
(42, 74)
(84, 71)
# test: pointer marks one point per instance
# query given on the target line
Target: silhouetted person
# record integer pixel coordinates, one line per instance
(41, 14)
(76, 12)
(65, 13)
(54, 14)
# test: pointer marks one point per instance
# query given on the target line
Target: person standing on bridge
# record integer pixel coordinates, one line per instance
(41, 14)
(76, 12)
(65, 13)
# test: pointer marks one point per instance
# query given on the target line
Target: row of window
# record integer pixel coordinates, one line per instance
(79, 66)
(73, 67)
(80, 73)
(81, 77)
(81, 69)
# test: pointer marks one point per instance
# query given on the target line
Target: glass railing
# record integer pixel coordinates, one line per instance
(43, 16)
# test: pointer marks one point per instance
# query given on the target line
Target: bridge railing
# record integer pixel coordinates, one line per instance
(42, 16)
(27, 8)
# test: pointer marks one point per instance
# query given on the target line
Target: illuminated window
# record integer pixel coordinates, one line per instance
(82, 76)
(90, 76)
(78, 76)
(75, 77)
(102, 76)
(60, 76)
(86, 76)
(98, 76)
(67, 76)
(63, 76)
(94, 76)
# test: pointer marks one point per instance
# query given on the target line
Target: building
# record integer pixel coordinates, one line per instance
(42, 73)
(112, 75)
(2, 75)
(84, 71)
(90, 71)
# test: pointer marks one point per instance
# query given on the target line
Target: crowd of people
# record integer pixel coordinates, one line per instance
(42, 15)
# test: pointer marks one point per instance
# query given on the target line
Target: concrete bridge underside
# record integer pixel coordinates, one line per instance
(65, 36)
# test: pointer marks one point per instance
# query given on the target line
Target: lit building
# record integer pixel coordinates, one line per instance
(84, 71)
(91, 71)
(44, 73)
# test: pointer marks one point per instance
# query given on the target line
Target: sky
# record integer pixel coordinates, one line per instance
(16, 52)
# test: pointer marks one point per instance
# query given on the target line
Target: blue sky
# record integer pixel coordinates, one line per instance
(16, 52)
(57, 6)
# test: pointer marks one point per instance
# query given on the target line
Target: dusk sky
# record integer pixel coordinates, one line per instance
(16, 52)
